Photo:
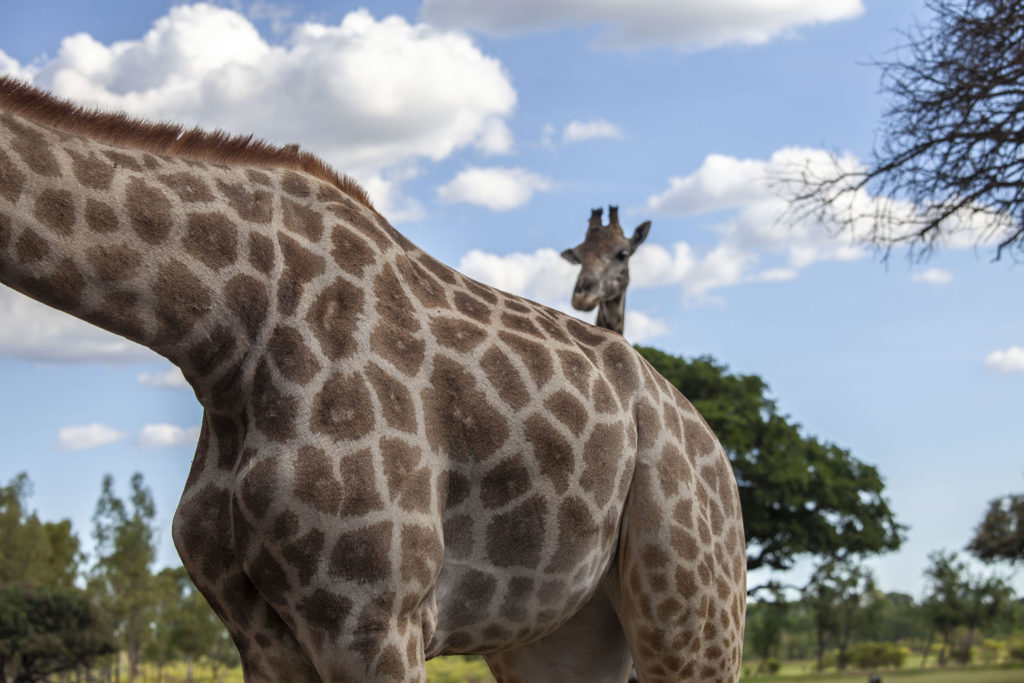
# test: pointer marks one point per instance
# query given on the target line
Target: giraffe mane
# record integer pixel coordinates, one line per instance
(124, 130)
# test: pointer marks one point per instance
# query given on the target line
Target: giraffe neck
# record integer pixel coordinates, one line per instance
(153, 248)
(611, 313)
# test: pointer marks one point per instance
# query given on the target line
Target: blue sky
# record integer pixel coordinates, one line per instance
(487, 137)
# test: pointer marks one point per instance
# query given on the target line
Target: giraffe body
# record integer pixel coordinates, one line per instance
(395, 461)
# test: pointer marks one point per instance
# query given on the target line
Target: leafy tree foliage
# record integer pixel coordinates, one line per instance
(32, 551)
(837, 594)
(800, 496)
(1000, 535)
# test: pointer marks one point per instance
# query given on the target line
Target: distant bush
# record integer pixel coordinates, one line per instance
(771, 666)
(876, 655)
(1016, 652)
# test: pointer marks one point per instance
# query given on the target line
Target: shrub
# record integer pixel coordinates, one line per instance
(771, 666)
(876, 655)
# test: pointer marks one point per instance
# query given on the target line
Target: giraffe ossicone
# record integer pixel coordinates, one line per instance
(396, 462)
(604, 256)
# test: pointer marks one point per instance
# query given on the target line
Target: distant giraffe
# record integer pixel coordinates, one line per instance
(604, 255)
(396, 462)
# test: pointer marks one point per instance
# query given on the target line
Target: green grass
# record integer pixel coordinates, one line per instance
(950, 675)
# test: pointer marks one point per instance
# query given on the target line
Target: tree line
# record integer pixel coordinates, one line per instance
(61, 612)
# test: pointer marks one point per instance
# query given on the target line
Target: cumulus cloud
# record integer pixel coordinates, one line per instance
(641, 328)
(170, 378)
(365, 94)
(77, 438)
(933, 276)
(165, 435)
(1007, 360)
(32, 331)
(499, 189)
(624, 24)
(577, 131)
(10, 66)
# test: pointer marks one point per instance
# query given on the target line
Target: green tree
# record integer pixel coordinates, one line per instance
(121, 577)
(43, 553)
(766, 622)
(837, 595)
(1000, 534)
(799, 496)
(48, 630)
(944, 604)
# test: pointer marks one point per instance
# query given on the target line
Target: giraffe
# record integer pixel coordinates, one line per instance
(395, 461)
(604, 255)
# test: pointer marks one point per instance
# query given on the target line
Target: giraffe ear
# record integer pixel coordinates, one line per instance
(570, 256)
(639, 235)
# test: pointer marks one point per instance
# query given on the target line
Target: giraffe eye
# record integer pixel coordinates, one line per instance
(622, 255)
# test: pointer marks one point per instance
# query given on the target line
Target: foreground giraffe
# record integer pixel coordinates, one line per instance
(396, 462)
(604, 255)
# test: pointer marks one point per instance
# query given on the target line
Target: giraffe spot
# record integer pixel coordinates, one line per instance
(459, 421)
(482, 291)
(302, 220)
(184, 300)
(576, 533)
(334, 317)
(258, 487)
(576, 368)
(5, 230)
(439, 270)
(421, 554)
(315, 483)
(547, 322)
(255, 206)
(390, 664)
(408, 485)
(247, 299)
(261, 253)
(458, 536)
(350, 251)
(202, 529)
(114, 262)
(671, 419)
(149, 211)
(273, 410)
(504, 376)
(341, 409)
(324, 611)
(533, 355)
(62, 288)
(517, 595)
(363, 555)
(122, 160)
(151, 162)
(601, 455)
(516, 538)
(55, 209)
(212, 238)
(32, 147)
(456, 489)
(505, 482)
(552, 452)
(395, 399)
(269, 577)
(404, 352)
(422, 284)
(100, 217)
(300, 266)
(648, 425)
(304, 554)
(604, 400)
(568, 409)
(698, 437)
(456, 333)
(620, 369)
(672, 470)
(30, 247)
(329, 193)
(392, 303)
(359, 494)
(515, 305)
(258, 177)
(285, 526)
(354, 218)
(188, 186)
(294, 184)
(291, 356)
(685, 543)
(214, 348)
(118, 311)
(12, 181)
(521, 324)
(91, 170)
(476, 591)
(473, 307)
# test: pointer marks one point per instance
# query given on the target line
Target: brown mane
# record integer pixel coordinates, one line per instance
(39, 106)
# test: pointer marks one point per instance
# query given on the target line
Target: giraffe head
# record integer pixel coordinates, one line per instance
(604, 255)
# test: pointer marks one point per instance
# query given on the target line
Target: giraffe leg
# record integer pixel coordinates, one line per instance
(677, 589)
(590, 647)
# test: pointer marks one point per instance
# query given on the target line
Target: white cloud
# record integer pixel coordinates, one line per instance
(641, 328)
(171, 378)
(933, 276)
(1008, 360)
(32, 331)
(165, 435)
(77, 438)
(687, 26)
(499, 189)
(577, 131)
(366, 94)
(543, 276)
(10, 66)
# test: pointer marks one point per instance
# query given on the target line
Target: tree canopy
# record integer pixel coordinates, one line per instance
(951, 157)
(800, 496)
(1000, 534)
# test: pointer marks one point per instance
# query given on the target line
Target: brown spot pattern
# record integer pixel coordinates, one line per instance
(91, 170)
(100, 217)
(302, 220)
(255, 206)
(149, 211)
(508, 480)
(457, 333)
(516, 538)
(334, 317)
(188, 186)
(342, 408)
(291, 356)
(350, 251)
(315, 483)
(11, 179)
(113, 262)
(459, 420)
(300, 266)
(212, 238)
(30, 247)
(55, 209)
(554, 455)
(534, 356)
(505, 378)
(362, 555)
(395, 399)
